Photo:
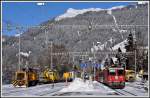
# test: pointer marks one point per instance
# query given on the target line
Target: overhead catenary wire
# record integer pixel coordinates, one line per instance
(73, 25)
(89, 53)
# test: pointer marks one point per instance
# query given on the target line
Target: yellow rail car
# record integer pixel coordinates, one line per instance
(51, 75)
(25, 78)
(68, 75)
(130, 75)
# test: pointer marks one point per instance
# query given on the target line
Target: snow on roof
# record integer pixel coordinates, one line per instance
(121, 45)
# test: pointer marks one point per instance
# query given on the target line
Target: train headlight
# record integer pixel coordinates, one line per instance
(116, 77)
(109, 79)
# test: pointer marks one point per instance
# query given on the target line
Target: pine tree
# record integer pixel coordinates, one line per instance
(129, 45)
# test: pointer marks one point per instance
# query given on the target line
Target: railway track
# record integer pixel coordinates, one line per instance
(124, 92)
(52, 92)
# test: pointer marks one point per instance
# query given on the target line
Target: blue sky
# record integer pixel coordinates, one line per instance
(29, 13)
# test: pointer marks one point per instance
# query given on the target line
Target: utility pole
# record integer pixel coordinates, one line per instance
(135, 48)
(51, 55)
(19, 53)
(73, 68)
(46, 42)
(94, 60)
(135, 61)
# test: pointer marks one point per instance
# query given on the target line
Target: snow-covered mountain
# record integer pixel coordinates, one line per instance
(116, 7)
(74, 12)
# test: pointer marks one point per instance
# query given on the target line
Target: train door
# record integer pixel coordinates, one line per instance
(121, 77)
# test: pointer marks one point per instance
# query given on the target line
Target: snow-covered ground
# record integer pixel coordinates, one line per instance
(39, 90)
(77, 88)
(87, 87)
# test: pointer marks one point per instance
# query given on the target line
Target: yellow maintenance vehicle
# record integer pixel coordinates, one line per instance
(25, 78)
(51, 75)
(68, 76)
(130, 75)
(143, 74)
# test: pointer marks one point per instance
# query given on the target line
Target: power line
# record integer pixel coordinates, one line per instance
(31, 27)
(89, 53)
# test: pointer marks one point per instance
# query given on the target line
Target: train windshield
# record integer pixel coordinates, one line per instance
(120, 72)
(112, 72)
(20, 76)
(51, 73)
(132, 72)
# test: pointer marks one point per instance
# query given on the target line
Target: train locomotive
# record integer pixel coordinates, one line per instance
(25, 78)
(114, 77)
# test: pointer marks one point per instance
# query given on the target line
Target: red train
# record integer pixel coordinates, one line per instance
(112, 76)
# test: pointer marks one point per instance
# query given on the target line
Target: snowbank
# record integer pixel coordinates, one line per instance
(138, 78)
(78, 85)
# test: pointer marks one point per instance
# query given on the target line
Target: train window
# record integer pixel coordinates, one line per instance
(20, 76)
(120, 72)
(132, 72)
(112, 72)
(51, 73)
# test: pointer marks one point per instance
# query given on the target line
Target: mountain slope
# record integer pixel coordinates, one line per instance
(78, 33)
